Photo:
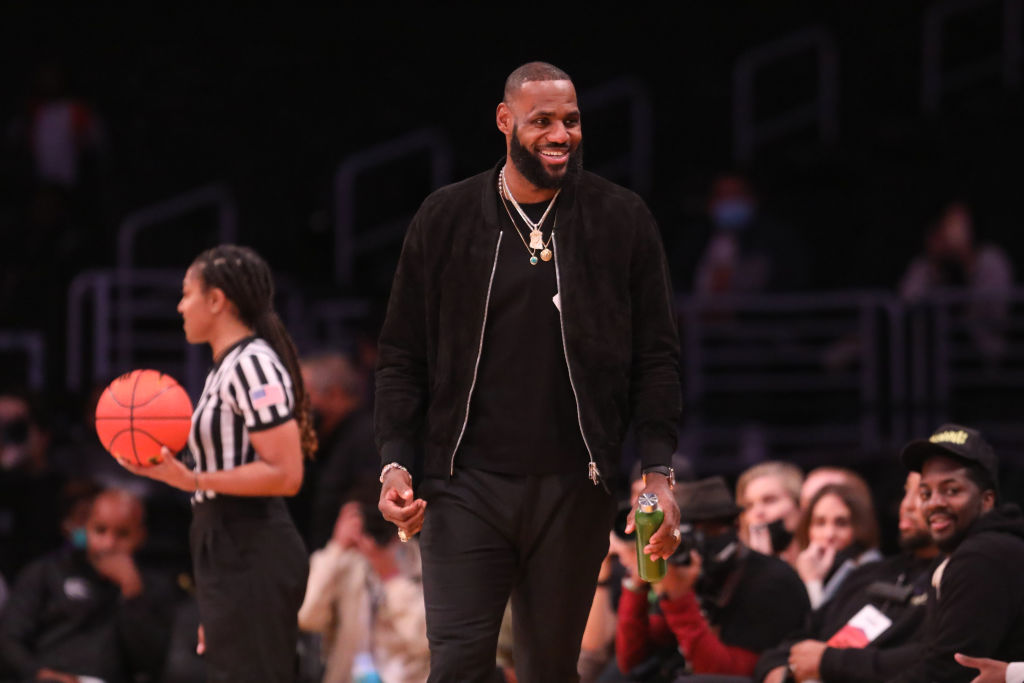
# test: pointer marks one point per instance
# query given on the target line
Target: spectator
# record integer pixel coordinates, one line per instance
(769, 494)
(953, 259)
(745, 252)
(720, 604)
(88, 612)
(830, 474)
(29, 489)
(976, 601)
(890, 593)
(365, 597)
(837, 533)
(347, 458)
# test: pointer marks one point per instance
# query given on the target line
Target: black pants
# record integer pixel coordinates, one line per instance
(250, 569)
(487, 536)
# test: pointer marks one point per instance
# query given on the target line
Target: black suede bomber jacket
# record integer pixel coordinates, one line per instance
(618, 324)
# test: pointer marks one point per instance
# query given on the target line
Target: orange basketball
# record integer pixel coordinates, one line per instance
(141, 411)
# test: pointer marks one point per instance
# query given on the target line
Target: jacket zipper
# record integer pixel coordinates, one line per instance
(592, 471)
(479, 352)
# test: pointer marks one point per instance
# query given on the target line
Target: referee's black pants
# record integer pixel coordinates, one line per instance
(250, 568)
(486, 536)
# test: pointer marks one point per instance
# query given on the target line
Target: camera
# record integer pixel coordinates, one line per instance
(689, 539)
(620, 522)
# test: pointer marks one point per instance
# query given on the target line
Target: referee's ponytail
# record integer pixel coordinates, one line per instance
(246, 281)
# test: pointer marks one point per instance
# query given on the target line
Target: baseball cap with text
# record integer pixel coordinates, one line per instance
(956, 440)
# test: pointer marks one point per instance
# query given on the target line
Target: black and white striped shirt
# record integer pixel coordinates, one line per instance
(247, 391)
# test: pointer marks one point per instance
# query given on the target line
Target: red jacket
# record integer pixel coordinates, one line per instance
(639, 633)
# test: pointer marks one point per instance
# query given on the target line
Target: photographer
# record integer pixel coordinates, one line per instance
(720, 603)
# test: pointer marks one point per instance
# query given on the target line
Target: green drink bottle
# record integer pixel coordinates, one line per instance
(648, 518)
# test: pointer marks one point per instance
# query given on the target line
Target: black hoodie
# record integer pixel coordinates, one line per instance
(977, 607)
(892, 650)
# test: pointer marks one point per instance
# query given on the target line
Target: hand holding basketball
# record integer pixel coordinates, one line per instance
(141, 412)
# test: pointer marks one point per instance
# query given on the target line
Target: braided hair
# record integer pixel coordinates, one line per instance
(247, 282)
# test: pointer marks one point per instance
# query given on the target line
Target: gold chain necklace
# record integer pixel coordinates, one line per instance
(535, 234)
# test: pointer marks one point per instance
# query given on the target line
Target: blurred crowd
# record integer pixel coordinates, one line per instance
(782, 575)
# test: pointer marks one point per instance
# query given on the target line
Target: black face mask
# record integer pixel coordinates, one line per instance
(780, 537)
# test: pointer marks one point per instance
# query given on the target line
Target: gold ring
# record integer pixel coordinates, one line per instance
(676, 534)
(402, 536)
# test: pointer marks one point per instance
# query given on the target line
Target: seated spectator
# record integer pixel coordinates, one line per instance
(597, 650)
(976, 601)
(890, 593)
(29, 488)
(88, 612)
(347, 458)
(720, 604)
(745, 252)
(769, 494)
(830, 474)
(952, 259)
(365, 597)
(837, 533)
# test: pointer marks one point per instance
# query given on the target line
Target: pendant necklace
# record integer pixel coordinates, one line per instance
(536, 235)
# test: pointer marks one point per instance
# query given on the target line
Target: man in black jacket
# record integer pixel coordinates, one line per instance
(530, 324)
(976, 602)
(89, 613)
(891, 593)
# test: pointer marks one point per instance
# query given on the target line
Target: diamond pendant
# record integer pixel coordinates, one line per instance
(536, 239)
(533, 260)
(545, 255)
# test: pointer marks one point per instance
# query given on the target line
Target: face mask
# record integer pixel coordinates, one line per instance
(732, 214)
(79, 538)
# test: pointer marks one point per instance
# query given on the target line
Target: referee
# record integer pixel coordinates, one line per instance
(249, 432)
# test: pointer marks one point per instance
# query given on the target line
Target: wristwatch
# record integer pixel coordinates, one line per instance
(669, 473)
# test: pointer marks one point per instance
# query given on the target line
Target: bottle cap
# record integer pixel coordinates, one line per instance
(648, 502)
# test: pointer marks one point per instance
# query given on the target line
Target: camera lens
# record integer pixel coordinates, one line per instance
(620, 522)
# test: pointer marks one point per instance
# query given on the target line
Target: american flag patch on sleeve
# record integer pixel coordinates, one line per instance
(266, 395)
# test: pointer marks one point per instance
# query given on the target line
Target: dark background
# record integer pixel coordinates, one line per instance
(270, 100)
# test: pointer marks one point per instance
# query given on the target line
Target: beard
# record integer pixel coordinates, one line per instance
(532, 168)
(915, 541)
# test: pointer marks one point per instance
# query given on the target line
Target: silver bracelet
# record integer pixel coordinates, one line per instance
(391, 466)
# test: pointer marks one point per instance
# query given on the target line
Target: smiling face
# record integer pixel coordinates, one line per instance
(541, 123)
(950, 500)
(831, 523)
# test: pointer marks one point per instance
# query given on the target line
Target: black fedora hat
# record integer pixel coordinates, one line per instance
(705, 499)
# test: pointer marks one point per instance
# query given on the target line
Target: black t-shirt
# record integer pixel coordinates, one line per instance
(522, 418)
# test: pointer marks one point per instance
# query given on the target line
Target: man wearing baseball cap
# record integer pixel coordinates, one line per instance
(976, 604)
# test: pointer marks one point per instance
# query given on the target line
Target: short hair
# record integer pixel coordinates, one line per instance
(862, 515)
(791, 477)
(532, 71)
(334, 369)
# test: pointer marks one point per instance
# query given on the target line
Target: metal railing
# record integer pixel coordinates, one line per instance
(32, 345)
(805, 370)
(350, 242)
(1005, 62)
(820, 112)
(633, 169)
